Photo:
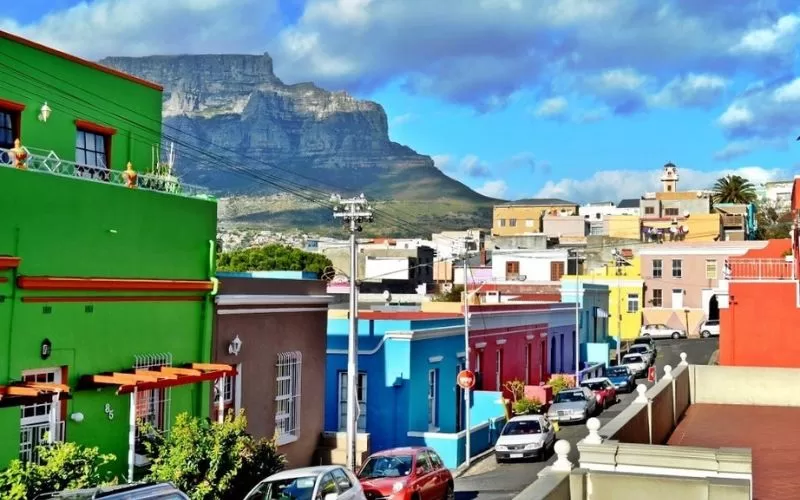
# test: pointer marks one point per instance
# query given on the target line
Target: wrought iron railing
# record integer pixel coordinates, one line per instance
(32, 436)
(760, 269)
(48, 162)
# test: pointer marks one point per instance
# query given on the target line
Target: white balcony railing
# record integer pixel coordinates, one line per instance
(48, 162)
(760, 269)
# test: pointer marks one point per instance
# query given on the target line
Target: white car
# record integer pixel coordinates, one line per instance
(526, 436)
(635, 363)
(326, 482)
(661, 331)
(710, 327)
(645, 351)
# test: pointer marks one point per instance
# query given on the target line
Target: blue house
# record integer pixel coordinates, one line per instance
(592, 302)
(407, 390)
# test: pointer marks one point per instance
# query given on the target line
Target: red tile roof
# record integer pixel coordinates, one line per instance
(770, 431)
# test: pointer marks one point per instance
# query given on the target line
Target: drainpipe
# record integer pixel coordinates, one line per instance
(12, 307)
(208, 324)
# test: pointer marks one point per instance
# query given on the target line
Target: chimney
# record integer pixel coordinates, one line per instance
(483, 256)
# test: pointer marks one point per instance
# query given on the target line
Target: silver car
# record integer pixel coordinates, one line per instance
(165, 491)
(573, 405)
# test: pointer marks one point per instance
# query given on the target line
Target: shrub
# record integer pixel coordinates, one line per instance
(212, 461)
(517, 389)
(527, 406)
(558, 383)
(62, 466)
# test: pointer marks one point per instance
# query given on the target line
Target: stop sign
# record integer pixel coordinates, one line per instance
(466, 379)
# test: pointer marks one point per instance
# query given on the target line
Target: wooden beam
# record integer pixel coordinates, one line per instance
(157, 374)
(181, 371)
(106, 380)
(21, 391)
(215, 367)
(47, 387)
(135, 377)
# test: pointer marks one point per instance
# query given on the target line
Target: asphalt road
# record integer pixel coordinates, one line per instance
(487, 480)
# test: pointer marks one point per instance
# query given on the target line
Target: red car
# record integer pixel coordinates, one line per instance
(413, 473)
(603, 390)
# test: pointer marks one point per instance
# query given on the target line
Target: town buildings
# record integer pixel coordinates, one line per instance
(532, 265)
(273, 332)
(592, 315)
(777, 194)
(106, 306)
(526, 216)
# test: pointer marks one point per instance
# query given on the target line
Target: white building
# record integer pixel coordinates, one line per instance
(529, 265)
(778, 193)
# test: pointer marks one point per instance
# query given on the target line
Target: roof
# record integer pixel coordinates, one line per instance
(407, 315)
(539, 202)
(595, 379)
(629, 203)
(63, 55)
(315, 470)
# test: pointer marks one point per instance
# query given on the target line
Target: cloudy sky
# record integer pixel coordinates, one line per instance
(580, 99)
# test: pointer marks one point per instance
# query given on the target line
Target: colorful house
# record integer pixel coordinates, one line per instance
(623, 278)
(105, 276)
(592, 310)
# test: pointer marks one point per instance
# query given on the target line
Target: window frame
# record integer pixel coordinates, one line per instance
(14, 110)
(657, 270)
(361, 380)
(633, 298)
(288, 368)
(232, 394)
(672, 211)
(715, 274)
(660, 298)
(107, 133)
(36, 422)
(678, 268)
(433, 399)
(498, 369)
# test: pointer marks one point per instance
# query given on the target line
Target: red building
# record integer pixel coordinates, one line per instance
(760, 309)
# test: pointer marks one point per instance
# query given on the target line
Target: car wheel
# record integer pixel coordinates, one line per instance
(451, 492)
(676, 335)
(705, 334)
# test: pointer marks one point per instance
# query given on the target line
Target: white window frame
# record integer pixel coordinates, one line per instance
(433, 389)
(232, 393)
(527, 364)
(678, 268)
(661, 297)
(362, 403)
(288, 370)
(633, 298)
(498, 369)
(711, 265)
(659, 267)
(39, 426)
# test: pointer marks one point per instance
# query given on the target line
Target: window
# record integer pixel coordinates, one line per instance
(327, 485)
(657, 268)
(556, 270)
(152, 405)
(677, 268)
(342, 481)
(528, 222)
(633, 302)
(361, 392)
(433, 399)
(512, 269)
(512, 222)
(527, 364)
(498, 369)
(423, 465)
(231, 394)
(436, 461)
(91, 155)
(649, 210)
(711, 269)
(502, 222)
(657, 297)
(671, 211)
(35, 419)
(287, 396)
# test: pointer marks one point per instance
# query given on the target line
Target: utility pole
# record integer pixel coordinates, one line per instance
(353, 212)
(467, 423)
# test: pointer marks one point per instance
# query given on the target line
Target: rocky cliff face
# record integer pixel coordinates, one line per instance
(291, 135)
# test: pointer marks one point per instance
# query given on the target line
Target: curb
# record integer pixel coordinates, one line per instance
(480, 457)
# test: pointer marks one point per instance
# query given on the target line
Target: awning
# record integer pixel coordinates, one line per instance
(160, 377)
(27, 393)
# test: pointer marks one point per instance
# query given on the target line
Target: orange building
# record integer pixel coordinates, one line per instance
(760, 303)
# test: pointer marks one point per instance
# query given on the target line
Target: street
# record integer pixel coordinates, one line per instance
(487, 480)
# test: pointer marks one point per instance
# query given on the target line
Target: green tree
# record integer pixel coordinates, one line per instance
(454, 295)
(772, 223)
(61, 466)
(734, 189)
(273, 258)
(210, 460)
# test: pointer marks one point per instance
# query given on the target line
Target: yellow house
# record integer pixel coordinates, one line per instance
(525, 216)
(624, 280)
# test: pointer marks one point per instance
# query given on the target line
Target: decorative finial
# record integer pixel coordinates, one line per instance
(593, 424)
(683, 359)
(667, 372)
(130, 176)
(641, 398)
(562, 463)
(20, 155)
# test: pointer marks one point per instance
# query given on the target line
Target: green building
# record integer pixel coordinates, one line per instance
(106, 284)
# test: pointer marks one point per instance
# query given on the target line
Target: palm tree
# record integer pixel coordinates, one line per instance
(734, 189)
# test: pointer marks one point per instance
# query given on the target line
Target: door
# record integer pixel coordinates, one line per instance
(556, 270)
(677, 298)
(441, 473)
(459, 402)
(425, 481)
(327, 486)
(527, 364)
(542, 360)
(344, 484)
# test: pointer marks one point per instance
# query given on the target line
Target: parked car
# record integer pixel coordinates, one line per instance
(660, 331)
(636, 363)
(644, 351)
(648, 341)
(709, 327)
(416, 473)
(164, 491)
(326, 482)
(525, 436)
(622, 378)
(573, 405)
(603, 389)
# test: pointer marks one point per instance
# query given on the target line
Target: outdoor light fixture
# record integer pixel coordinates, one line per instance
(44, 112)
(235, 346)
(77, 417)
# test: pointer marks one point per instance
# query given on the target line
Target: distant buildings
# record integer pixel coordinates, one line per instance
(527, 216)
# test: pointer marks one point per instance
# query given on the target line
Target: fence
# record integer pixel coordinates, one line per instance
(760, 269)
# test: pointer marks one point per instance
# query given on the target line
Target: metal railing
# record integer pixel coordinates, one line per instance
(48, 162)
(732, 220)
(760, 269)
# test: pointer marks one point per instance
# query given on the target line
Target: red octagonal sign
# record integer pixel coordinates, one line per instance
(466, 379)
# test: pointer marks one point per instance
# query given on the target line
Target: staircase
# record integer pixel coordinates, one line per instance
(332, 448)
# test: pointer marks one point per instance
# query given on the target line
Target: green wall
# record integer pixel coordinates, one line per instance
(75, 91)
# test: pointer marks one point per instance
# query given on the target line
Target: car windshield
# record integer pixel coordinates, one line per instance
(569, 397)
(638, 348)
(617, 371)
(517, 427)
(642, 341)
(296, 488)
(632, 358)
(386, 466)
(594, 386)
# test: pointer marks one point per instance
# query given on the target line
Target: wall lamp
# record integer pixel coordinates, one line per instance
(235, 346)
(44, 112)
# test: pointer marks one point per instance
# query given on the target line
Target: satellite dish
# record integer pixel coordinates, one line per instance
(387, 295)
(522, 277)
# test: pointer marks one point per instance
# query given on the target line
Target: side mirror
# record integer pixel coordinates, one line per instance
(330, 496)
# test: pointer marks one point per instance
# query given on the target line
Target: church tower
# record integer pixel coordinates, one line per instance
(669, 180)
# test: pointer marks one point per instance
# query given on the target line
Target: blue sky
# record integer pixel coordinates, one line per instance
(578, 99)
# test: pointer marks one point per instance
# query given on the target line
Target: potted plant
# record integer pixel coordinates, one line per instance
(527, 406)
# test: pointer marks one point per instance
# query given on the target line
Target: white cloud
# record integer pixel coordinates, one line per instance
(552, 108)
(442, 162)
(620, 184)
(494, 189)
(782, 36)
(692, 90)
(473, 166)
(768, 112)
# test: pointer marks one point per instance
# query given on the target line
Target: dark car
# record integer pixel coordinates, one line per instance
(622, 378)
(648, 341)
(161, 491)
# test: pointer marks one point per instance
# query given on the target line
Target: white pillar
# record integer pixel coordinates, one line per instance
(51, 435)
(562, 463)
(132, 437)
(221, 399)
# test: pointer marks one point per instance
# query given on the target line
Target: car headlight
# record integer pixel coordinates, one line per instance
(398, 487)
(500, 448)
(578, 412)
(623, 383)
(533, 446)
